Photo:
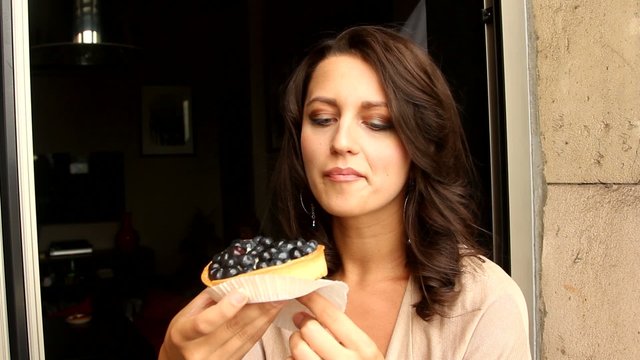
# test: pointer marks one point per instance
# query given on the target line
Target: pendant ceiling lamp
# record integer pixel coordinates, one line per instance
(85, 46)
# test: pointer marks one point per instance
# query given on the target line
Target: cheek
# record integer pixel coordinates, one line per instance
(309, 149)
(395, 163)
(305, 146)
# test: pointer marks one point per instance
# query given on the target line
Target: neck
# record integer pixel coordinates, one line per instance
(372, 248)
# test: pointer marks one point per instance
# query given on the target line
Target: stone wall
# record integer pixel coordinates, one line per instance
(588, 98)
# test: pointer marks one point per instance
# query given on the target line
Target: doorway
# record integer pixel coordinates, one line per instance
(214, 192)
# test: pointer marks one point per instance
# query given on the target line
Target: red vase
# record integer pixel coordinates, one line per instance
(127, 239)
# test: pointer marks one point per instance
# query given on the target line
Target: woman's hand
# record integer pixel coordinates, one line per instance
(329, 335)
(225, 330)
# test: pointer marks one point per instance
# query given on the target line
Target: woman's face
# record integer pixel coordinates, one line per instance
(354, 160)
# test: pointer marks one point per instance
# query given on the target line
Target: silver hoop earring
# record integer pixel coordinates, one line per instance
(404, 215)
(302, 204)
(404, 207)
(312, 214)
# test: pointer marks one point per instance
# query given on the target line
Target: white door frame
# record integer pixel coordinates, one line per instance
(4, 329)
(18, 17)
(523, 174)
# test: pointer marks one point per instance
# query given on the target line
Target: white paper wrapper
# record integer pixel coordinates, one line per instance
(265, 288)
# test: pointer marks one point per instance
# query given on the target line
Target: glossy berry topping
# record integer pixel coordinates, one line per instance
(246, 255)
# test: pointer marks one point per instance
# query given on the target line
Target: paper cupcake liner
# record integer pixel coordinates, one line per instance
(266, 288)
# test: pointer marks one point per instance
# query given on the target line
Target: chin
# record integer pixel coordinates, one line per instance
(340, 209)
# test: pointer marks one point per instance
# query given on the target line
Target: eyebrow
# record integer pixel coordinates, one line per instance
(330, 101)
(322, 99)
(373, 104)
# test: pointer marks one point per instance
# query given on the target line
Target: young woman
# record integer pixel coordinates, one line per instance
(375, 166)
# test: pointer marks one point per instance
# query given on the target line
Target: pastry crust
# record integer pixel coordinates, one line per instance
(312, 266)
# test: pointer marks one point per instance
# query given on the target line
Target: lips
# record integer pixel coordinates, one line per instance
(342, 174)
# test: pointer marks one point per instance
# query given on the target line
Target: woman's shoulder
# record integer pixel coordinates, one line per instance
(480, 271)
(482, 284)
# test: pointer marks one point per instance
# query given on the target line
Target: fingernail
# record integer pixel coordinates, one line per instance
(297, 319)
(238, 297)
(278, 304)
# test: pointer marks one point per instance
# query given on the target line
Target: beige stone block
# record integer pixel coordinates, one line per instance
(588, 87)
(590, 267)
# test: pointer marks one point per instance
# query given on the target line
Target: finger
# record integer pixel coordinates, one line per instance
(318, 339)
(202, 301)
(344, 330)
(197, 323)
(300, 350)
(239, 334)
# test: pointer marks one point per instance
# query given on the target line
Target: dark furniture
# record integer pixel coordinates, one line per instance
(111, 288)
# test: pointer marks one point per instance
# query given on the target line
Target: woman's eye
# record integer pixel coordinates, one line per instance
(379, 125)
(321, 120)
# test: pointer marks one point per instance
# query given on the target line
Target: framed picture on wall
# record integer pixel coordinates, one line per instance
(167, 126)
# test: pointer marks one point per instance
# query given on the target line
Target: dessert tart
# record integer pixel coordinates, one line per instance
(263, 255)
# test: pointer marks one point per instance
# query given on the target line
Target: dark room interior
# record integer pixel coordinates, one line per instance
(152, 215)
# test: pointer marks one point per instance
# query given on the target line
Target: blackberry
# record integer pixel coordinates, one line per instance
(286, 246)
(216, 274)
(230, 262)
(265, 241)
(248, 262)
(307, 249)
(295, 253)
(265, 256)
(257, 250)
(276, 262)
(246, 255)
(232, 271)
(282, 255)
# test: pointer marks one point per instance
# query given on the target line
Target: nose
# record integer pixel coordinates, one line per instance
(345, 138)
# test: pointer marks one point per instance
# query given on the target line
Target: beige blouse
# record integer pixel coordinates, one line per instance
(488, 321)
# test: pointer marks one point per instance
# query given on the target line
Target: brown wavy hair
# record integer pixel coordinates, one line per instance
(440, 213)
